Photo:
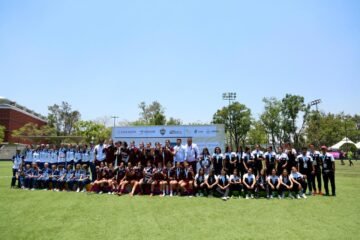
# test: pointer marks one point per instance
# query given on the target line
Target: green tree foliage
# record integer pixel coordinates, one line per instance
(328, 129)
(292, 107)
(272, 119)
(174, 121)
(92, 131)
(257, 134)
(36, 134)
(237, 120)
(2, 133)
(63, 118)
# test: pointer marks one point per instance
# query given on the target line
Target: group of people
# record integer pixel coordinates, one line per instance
(166, 170)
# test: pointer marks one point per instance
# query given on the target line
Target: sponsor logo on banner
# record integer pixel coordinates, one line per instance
(162, 131)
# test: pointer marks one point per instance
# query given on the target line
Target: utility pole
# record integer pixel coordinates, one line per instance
(229, 96)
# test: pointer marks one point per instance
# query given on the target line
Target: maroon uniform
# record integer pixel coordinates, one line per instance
(188, 175)
(130, 174)
(138, 173)
(168, 155)
(142, 157)
(120, 174)
(158, 157)
(169, 174)
(110, 154)
(179, 174)
(133, 155)
(158, 174)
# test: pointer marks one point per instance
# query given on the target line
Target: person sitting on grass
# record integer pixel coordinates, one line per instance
(147, 177)
(199, 183)
(27, 173)
(261, 183)
(211, 182)
(286, 184)
(137, 178)
(186, 184)
(128, 179)
(84, 179)
(54, 176)
(299, 183)
(34, 177)
(169, 176)
(69, 178)
(158, 177)
(235, 183)
(249, 182)
(223, 186)
(273, 184)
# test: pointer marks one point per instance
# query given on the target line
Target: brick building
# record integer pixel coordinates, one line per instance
(13, 116)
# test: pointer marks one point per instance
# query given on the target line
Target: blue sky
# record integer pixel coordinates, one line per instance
(105, 57)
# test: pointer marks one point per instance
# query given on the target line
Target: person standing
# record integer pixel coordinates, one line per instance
(17, 163)
(191, 153)
(317, 167)
(270, 160)
(179, 152)
(100, 154)
(258, 158)
(306, 168)
(349, 155)
(328, 167)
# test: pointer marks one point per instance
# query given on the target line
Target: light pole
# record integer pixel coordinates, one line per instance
(229, 96)
(316, 103)
(114, 117)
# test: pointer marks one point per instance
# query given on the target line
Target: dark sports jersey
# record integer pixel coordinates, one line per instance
(138, 173)
(285, 180)
(158, 157)
(169, 173)
(316, 158)
(168, 156)
(200, 179)
(188, 174)
(130, 173)
(133, 155)
(223, 180)
(211, 179)
(305, 163)
(179, 174)
(120, 174)
(327, 162)
(158, 174)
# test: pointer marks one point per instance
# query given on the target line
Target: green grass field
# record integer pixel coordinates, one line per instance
(61, 215)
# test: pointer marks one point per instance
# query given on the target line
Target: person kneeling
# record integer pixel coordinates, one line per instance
(223, 186)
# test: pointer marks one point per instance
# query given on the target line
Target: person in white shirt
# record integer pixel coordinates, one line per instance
(273, 184)
(223, 186)
(191, 153)
(235, 183)
(258, 158)
(305, 165)
(204, 162)
(249, 182)
(270, 160)
(282, 161)
(298, 181)
(285, 184)
(100, 155)
(179, 152)
(328, 168)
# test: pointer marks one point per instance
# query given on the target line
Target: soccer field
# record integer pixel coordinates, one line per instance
(60, 215)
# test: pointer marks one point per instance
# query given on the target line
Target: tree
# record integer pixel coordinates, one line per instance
(292, 107)
(35, 133)
(152, 114)
(174, 121)
(272, 120)
(257, 134)
(63, 118)
(328, 129)
(237, 120)
(92, 131)
(2, 133)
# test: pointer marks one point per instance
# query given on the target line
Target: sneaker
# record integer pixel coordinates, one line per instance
(171, 195)
(83, 191)
(247, 196)
(33, 189)
(198, 194)
(291, 196)
(279, 197)
(297, 196)
(109, 193)
(163, 195)
(227, 197)
(78, 190)
(304, 196)
(201, 194)
(283, 195)
(271, 197)
(101, 192)
(268, 196)
(252, 196)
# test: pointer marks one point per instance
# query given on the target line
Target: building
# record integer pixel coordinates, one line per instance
(13, 116)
